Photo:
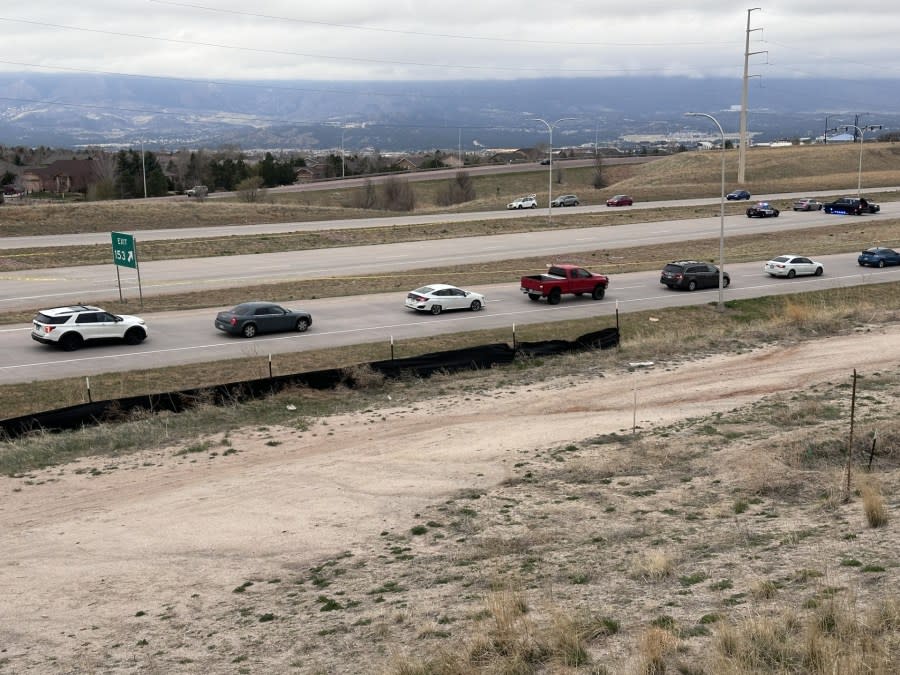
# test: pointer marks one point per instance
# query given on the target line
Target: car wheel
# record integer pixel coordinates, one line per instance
(534, 206)
(881, 263)
(70, 342)
(726, 282)
(554, 296)
(792, 274)
(436, 309)
(475, 306)
(598, 293)
(534, 297)
(576, 203)
(776, 213)
(692, 285)
(249, 330)
(302, 325)
(134, 336)
(819, 271)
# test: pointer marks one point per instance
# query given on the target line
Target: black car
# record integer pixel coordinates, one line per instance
(691, 275)
(737, 194)
(251, 318)
(878, 257)
(854, 206)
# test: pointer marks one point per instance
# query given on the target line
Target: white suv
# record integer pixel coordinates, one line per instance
(71, 327)
(526, 202)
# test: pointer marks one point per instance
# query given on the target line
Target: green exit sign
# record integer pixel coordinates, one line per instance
(124, 254)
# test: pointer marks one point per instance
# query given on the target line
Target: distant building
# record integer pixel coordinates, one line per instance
(63, 175)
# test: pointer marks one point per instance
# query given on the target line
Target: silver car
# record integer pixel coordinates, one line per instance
(807, 204)
(565, 200)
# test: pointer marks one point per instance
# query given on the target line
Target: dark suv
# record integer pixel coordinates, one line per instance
(854, 206)
(691, 274)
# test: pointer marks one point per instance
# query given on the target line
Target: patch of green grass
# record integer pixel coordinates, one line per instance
(692, 579)
(328, 604)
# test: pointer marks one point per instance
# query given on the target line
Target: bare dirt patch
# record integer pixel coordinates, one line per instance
(363, 542)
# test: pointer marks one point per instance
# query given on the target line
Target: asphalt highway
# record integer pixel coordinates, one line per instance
(65, 285)
(103, 238)
(189, 337)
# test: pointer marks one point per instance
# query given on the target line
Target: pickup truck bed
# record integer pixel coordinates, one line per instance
(561, 280)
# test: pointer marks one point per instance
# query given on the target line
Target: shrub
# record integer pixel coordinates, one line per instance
(397, 195)
(250, 190)
(873, 505)
(457, 190)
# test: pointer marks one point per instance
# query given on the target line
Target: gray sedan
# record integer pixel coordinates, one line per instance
(251, 318)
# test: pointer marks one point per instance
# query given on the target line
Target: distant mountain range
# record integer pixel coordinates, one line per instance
(71, 110)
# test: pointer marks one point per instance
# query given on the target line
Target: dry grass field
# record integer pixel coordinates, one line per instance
(689, 174)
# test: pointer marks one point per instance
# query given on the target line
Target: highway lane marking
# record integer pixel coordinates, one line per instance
(608, 306)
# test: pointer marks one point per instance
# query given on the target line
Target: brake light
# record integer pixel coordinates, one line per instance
(49, 329)
(233, 321)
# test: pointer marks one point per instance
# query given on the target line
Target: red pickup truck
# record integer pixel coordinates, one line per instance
(561, 279)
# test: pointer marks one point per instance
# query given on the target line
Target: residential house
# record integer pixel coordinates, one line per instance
(63, 175)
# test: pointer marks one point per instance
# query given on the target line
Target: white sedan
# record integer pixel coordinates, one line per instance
(791, 266)
(436, 298)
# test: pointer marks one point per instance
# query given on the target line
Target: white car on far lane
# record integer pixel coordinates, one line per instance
(526, 202)
(791, 266)
(436, 298)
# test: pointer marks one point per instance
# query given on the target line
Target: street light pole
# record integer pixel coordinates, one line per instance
(721, 305)
(862, 132)
(825, 136)
(143, 169)
(550, 163)
(342, 153)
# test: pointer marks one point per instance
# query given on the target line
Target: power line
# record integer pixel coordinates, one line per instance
(277, 52)
(451, 36)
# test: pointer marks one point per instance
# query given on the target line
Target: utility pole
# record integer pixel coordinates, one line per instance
(744, 141)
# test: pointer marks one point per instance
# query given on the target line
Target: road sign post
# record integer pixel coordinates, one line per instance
(124, 250)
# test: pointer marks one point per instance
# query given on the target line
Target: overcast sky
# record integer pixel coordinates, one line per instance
(462, 39)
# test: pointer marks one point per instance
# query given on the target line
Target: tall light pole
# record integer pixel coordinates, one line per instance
(342, 152)
(745, 141)
(721, 306)
(825, 136)
(144, 169)
(862, 132)
(550, 127)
